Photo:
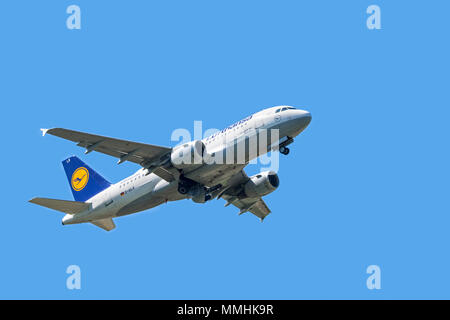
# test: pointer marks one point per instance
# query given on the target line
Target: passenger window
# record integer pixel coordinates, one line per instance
(284, 109)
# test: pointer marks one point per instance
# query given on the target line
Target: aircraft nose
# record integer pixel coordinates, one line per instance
(303, 118)
(297, 122)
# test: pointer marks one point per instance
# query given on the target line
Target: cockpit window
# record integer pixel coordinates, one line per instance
(284, 109)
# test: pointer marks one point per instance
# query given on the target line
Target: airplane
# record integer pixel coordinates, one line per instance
(200, 170)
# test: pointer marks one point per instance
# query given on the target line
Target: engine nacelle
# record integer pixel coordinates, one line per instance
(261, 184)
(198, 194)
(188, 154)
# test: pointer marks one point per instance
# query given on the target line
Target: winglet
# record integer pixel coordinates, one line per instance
(44, 131)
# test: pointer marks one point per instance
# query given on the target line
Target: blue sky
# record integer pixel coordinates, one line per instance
(366, 183)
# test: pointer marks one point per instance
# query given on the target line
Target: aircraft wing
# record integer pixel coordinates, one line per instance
(232, 193)
(146, 155)
(256, 206)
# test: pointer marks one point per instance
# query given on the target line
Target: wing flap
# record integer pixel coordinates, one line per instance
(260, 209)
(257, 206)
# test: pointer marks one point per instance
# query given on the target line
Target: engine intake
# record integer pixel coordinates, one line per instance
(261, 184)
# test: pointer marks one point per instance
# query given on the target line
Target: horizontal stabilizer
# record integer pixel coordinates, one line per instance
(66, 206)
(106, 224)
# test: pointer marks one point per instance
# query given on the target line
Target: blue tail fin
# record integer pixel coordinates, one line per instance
(84, 182)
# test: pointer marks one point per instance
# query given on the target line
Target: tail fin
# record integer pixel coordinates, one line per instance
(84, 182)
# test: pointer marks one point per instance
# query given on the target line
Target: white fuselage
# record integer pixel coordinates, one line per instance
(142, 191)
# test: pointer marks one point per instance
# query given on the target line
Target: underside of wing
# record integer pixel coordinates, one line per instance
(260, 209)
(234, 194)
(224, 174)
(256, 206)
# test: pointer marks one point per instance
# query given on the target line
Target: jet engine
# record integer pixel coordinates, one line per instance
(261, 184)
(187, 155)
(199, 194)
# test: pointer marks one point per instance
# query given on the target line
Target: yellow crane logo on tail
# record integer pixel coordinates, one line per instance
(80, 179)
